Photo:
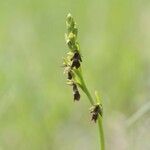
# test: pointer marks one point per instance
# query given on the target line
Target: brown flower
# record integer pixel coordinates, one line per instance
(76, 59)
(69, 75)
(76, 56)
(95, 111)
(75, 63)
(76, 93)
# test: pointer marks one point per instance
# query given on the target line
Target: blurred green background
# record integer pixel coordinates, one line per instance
(36, 107)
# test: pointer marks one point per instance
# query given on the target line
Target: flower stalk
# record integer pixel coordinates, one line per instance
(72, 67)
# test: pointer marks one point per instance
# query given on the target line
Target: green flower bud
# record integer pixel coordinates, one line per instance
(70, 22)
(76, 47)
(71, 37)
(75, 31)
(69, 43)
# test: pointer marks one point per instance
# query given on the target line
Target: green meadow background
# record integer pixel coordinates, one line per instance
(37, 111)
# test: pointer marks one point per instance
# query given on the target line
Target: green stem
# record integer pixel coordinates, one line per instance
(83, 86)
(100, 125)
(86, 91)
(101, 133)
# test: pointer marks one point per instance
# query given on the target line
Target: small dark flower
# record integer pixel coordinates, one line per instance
(76, 93)
(76, 56)
(94, 117)
(75, 63)
(95, 111)
(76, 59)
(69, 75)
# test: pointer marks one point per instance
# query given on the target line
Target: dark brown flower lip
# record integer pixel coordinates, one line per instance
(76, 96)
(94, 117)
(76, 56)
(69, 75)
(76, 93)
(76, 59)
(95, 111)
(75, 63)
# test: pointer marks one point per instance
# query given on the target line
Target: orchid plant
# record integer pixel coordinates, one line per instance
(72, 64)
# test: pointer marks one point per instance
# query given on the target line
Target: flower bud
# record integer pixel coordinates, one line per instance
(75, 31)
(69, 43)
(72, 37)
(70, 22)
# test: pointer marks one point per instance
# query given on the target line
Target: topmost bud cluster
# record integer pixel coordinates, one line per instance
(70, 21)
(71, 35)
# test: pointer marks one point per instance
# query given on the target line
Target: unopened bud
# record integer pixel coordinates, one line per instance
(69, 21)
(72, 37)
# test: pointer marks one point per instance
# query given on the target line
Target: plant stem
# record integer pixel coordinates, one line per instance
(101, 133)
(83, 86)
(86, 91)
(100, 125)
